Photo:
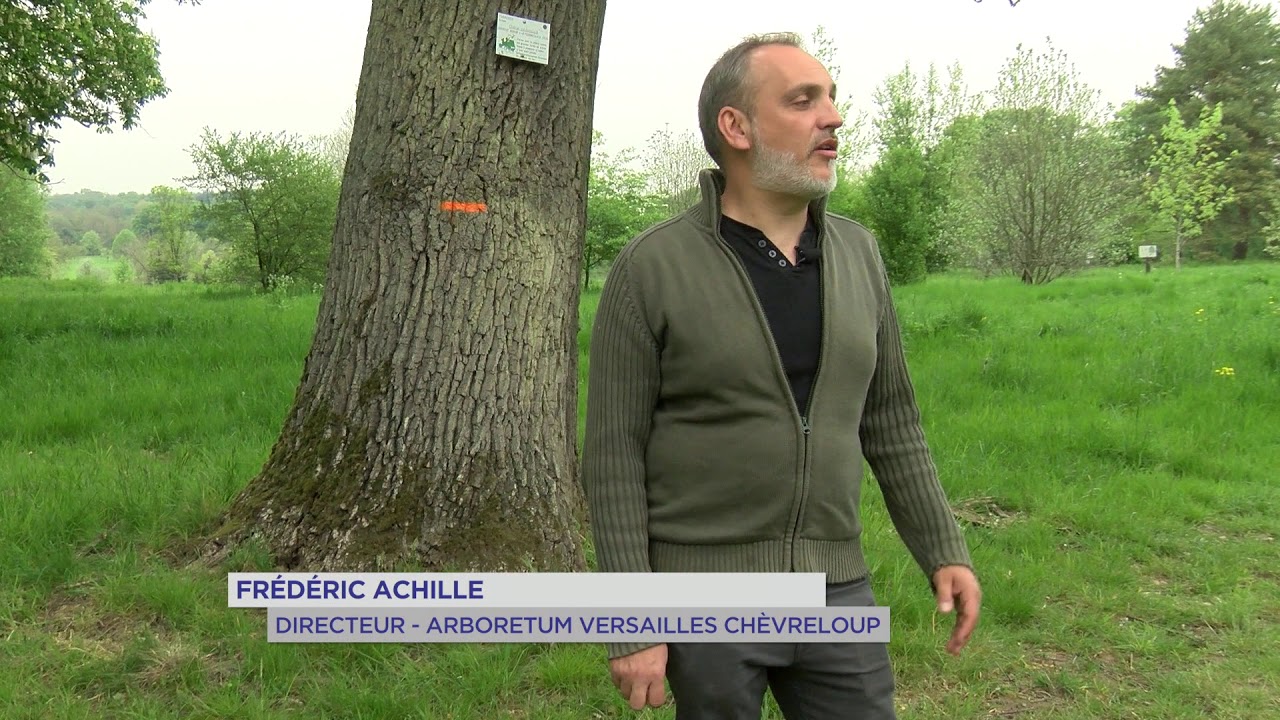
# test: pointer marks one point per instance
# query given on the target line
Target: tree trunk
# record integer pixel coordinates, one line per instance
(435, 424)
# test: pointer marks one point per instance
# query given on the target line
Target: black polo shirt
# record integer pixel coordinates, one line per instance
(791, 296)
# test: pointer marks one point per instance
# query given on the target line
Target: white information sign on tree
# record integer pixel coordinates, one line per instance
(523, 39)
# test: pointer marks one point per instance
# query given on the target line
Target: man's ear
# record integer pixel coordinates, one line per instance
(735, 127)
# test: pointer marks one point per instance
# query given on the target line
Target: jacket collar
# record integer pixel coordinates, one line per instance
(708, 211)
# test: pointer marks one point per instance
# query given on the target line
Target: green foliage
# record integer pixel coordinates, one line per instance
(91, 243)
(1186, 173)
(905, 194)
(274, 198)
(898, 212)
(1034, 192)
(619, 207)
(24, 230)
(1229, 58)
(88, 272)
(850, 198)
(71, 215)
(79, 60)
(122, 241)
(169, 247)
(1271, 232)
(919, 106)
(124, 272)
(206, 270)
(146, 221)
(671, 165)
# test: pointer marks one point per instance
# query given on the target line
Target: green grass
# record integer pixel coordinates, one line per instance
(1119, 496)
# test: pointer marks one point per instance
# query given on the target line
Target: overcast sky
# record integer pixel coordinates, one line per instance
(293, 65)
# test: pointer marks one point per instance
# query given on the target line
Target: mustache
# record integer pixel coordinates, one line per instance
(832, 138)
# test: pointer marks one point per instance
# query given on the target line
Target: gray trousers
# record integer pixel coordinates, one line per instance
(810, 681)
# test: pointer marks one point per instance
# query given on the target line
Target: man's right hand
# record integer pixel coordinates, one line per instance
(640, 676)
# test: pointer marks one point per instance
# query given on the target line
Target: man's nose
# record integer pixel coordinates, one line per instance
(831, 118)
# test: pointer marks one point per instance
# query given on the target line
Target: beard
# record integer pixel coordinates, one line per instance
(781, 172)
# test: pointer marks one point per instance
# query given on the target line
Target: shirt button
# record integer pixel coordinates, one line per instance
(761, 243)
(773, 253)
(782, 263)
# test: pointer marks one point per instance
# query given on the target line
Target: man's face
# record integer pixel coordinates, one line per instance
(793, 145)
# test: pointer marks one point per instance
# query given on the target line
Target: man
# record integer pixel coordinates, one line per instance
(745, 359)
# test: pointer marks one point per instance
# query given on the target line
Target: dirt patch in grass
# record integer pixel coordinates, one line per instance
(1048, 660)
(984, 512)
(1029, 703)
(72, 622)
(1267, 574)
(1218, 532)
(1070, 539)
(1213, 531)
(1199, 633)
(1154, 583)
(1119, 671)
(151, 654)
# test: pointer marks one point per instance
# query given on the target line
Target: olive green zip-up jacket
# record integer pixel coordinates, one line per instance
(696, 458)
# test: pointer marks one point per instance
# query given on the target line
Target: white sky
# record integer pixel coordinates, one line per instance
(293, 65)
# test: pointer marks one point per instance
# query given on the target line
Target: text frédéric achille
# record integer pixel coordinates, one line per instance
(317, 589)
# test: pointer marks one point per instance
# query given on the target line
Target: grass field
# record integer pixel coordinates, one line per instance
(100, 266)
(1109, 440)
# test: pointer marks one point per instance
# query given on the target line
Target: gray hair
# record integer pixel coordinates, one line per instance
(727, 84)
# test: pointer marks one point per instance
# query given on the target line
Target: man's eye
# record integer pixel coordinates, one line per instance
(802, 102)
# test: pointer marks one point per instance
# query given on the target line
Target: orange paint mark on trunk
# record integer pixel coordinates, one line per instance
(466, 207)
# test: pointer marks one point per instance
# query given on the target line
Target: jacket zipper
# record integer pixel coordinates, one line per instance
(808, 409)
(797, 514)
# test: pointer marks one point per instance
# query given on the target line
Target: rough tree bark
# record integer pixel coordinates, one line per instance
(435, 424)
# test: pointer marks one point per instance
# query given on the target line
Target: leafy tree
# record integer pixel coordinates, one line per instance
(1034, 194)
(274, 198)
(671, 163)
(944, 168)
(91, 243)
(169, 248)
(849, 198)
(24, 229)
(145, 222)
(124, 272)
(79, 60)
(1186, 178)
(123, 240)
(1229, 58)
(920, 106)
(1271, 231)
(906, 192)
(897, 210)
(619, 206)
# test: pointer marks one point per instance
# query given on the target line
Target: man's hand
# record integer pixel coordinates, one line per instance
(640, 676)
(957, 587)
